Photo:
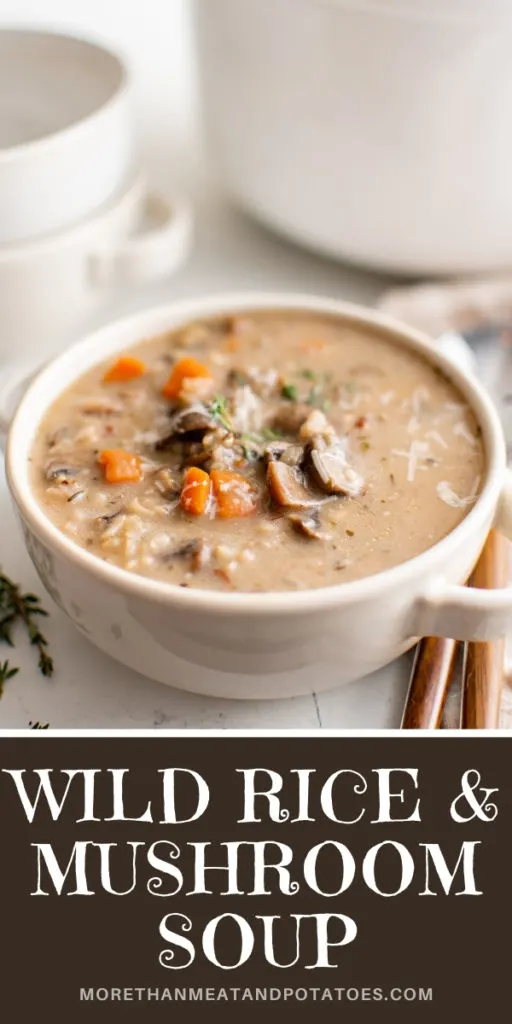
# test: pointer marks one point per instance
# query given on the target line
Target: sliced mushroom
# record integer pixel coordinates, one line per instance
(307, 523)
(286, 487)
(331, 471)
(197, 551)
(189, 424)
(293, 455)
(283, 451)
(290, 416)
(275, 451)
(194, 454)
(61, 474)
(192, 420)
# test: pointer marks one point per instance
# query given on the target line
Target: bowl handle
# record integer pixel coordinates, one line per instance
(469, 613)
(154, 251)
(12, 388)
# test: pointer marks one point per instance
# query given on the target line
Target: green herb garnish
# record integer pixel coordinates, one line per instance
(219, 409)
(316, 398)
(251, 446)
(316, 395)
(14, 607)
(6, 672)
(39, 725)
(290, 392)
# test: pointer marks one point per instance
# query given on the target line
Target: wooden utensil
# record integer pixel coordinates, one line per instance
(484, 662)
(483, 671)
(430, 681)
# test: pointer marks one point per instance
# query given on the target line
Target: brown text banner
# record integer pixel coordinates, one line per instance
(183, 878)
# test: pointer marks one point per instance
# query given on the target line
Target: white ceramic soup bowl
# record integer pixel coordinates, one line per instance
(66, 132)
(372, 130)
(51, 286)
(263, 645)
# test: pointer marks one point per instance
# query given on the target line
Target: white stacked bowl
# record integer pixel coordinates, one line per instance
(72, 197)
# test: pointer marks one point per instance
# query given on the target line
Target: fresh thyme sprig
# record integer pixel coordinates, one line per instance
(219, 409)
(14, 607)
(6, 672)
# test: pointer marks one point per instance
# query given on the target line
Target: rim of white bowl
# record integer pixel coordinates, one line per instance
(128, 331)
(452, 12)
(10, 154)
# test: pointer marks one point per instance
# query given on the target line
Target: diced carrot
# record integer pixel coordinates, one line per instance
(196, 491)
(234, 493)
(126, 368)
(183, 369)
(120, 467)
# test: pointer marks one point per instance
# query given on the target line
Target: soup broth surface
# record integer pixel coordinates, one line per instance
(267, 451)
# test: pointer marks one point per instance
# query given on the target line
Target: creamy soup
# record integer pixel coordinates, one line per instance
(266, 451)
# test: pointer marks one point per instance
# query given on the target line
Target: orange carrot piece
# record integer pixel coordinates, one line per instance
(184, 368)
(234, 493)
(120, 467)
(126, 368)
(195, 493)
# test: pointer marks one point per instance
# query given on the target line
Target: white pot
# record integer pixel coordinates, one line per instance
(372, 130)
(66, 132)
(49, 287)
(263, 645)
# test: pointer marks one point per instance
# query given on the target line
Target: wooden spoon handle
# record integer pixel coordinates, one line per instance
(484, 662)
(430, 681)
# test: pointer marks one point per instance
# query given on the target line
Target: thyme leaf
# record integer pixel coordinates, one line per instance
(253, 444)
(219, 409)
(14, 607)
(6, 672)
(290, 392)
